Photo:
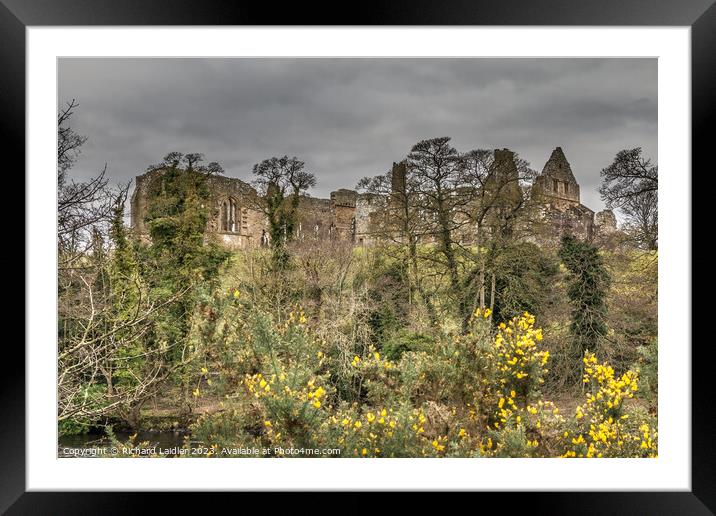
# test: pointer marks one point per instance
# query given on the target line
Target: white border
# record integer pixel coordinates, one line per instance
(670, 471)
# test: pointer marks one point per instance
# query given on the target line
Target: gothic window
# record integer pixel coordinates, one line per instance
(232, 215)
(224, 217)
(228, 221)
(554, 184)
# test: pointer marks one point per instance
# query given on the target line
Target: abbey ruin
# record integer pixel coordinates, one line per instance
(238, 222)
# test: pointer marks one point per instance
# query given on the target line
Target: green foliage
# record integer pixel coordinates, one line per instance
(94, 395)
(282, 181)
(523, 278)
(181, 265)
(389, 293)
(128, 289)
(472, 395)
(72, 427)
(587, 292)
(404, 341)
(334, 350)
(648, 368)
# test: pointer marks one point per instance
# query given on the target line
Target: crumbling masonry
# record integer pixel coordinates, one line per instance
(238, 223)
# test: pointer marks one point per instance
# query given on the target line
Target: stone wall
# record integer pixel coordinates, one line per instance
(236, 220)
(605, 222)
(343, 211)
(367, 206)
(235, 216)
(314, 218)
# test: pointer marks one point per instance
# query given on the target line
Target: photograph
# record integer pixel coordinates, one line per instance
(357, 257)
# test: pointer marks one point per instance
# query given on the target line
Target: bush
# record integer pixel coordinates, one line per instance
(473, 395)
(648, 368)
(601, 426)
(404, 341)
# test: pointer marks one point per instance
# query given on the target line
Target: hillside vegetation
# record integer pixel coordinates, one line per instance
(412, 347)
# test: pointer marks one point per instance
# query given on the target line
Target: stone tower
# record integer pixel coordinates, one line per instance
(556, 184)
(504, 180)
(397, 178)
(343, 210)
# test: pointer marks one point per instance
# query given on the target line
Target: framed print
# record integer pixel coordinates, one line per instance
(422, 249)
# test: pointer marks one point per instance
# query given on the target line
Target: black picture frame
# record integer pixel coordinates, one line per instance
(700, 15)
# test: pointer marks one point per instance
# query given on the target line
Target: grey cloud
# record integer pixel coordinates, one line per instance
(348, 118)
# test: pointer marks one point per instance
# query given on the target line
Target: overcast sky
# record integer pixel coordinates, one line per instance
(350, 118)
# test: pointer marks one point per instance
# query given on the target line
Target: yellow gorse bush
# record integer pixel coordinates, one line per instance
(473, 395)
(519, 420)
(380, 432)
(519, 361)
(602, 428)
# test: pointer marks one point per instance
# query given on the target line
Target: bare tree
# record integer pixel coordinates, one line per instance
(97, 343)
(397, 220)
(82, 207)
(468, 205)
(497, 211)
(107, 364)
(631, 184)
(435, 171)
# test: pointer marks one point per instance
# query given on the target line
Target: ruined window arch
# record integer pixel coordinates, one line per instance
(223, 216)
(232, 215)
(228, 216)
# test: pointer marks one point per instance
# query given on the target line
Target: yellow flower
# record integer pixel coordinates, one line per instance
(204, 370)
(462, 433)
(236, 294)
(196, 392)
(317, 404)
